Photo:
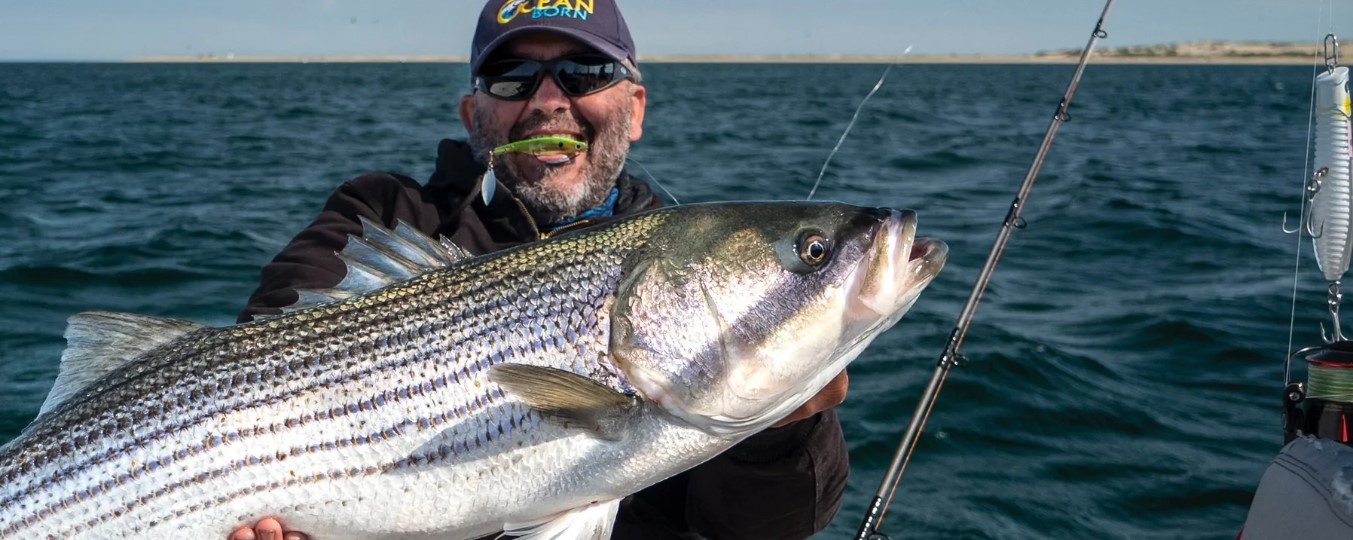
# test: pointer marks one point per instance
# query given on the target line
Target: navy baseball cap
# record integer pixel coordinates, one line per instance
(596, 23)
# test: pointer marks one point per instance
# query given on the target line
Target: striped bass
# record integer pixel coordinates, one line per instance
(437, 395)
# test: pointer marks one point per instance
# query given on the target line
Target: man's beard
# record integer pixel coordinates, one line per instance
(605, 158)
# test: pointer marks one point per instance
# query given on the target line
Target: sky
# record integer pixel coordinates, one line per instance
(124, 29)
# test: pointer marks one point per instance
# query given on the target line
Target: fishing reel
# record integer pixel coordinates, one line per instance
(1323, 406)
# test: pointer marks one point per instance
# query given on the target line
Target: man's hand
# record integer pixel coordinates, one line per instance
(266, 529)
(830, 396)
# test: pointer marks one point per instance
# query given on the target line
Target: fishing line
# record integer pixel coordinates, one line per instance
(1329, 382)
(654, 179)
(839, 141)
(853, 118)
(1306, 173)
(869, 528)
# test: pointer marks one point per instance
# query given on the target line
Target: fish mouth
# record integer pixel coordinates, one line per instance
(898, 235)
(900, 267)
(930, 252)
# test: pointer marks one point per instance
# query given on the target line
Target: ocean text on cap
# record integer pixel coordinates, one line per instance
(539, 9)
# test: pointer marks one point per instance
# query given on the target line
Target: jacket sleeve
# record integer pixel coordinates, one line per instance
(309, 261)
(780, 483)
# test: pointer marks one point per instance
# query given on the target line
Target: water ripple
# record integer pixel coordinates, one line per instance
(1123, 366)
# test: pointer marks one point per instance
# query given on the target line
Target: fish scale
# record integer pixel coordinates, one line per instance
(378, 416)
(337, 365)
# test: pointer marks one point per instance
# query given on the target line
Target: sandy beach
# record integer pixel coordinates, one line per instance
(1205, 52)
(786, 59)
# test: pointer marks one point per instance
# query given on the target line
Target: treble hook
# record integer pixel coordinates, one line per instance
(1315, 234)
(1313, 187)
(1285, 229)
(1331, 43)
(1334, 298)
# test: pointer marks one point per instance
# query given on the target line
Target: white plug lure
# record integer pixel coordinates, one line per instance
(1329, 217)
(1330, 222)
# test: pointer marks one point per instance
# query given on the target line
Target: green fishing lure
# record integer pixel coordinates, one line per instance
(542, 145)
(535, 146)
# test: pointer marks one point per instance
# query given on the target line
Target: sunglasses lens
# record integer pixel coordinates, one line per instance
(580, 76)
(576, 75)
(509, 79)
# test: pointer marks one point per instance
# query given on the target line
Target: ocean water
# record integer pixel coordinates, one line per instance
(1124, 369)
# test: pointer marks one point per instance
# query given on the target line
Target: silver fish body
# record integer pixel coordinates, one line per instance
(528, 390)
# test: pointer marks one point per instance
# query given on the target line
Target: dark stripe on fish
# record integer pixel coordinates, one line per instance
(417, 345)
(486, 433)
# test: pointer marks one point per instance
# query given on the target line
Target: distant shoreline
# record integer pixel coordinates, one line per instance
(1183, 53)
(787, 59)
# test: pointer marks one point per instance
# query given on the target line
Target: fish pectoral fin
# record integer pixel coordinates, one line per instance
(99, 342)
(591, 522)
(568, 398)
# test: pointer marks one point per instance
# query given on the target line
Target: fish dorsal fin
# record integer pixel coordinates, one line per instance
(591, 522)
(381, 257)
(416, 246)
(568, 398)
(99, 342)
(455, 250)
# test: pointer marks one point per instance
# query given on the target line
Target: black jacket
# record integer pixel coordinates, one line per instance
(781, 483)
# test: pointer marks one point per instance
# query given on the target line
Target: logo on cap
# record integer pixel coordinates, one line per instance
(541, 9)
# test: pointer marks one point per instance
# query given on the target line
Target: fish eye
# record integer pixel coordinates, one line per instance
(814, 249)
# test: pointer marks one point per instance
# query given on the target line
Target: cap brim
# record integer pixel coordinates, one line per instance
(587, 38)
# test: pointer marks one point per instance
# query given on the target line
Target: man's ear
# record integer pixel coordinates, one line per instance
(638, 99)
(467, 111)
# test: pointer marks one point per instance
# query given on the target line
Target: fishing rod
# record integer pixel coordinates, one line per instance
(873, 520)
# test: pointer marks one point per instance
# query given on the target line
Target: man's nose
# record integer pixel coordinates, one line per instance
(548, 97)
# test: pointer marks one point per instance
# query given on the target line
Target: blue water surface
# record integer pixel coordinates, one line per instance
(1124, 369)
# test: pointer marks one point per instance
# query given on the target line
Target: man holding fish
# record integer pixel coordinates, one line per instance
(556, 101)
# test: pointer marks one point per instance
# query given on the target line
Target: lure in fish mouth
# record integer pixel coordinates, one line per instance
(811, 295)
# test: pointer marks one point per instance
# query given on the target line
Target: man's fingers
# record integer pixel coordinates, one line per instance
(830, 396)
(834, 393)
(268, 529)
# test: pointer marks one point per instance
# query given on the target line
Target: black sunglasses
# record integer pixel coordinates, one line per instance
(516, 79)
